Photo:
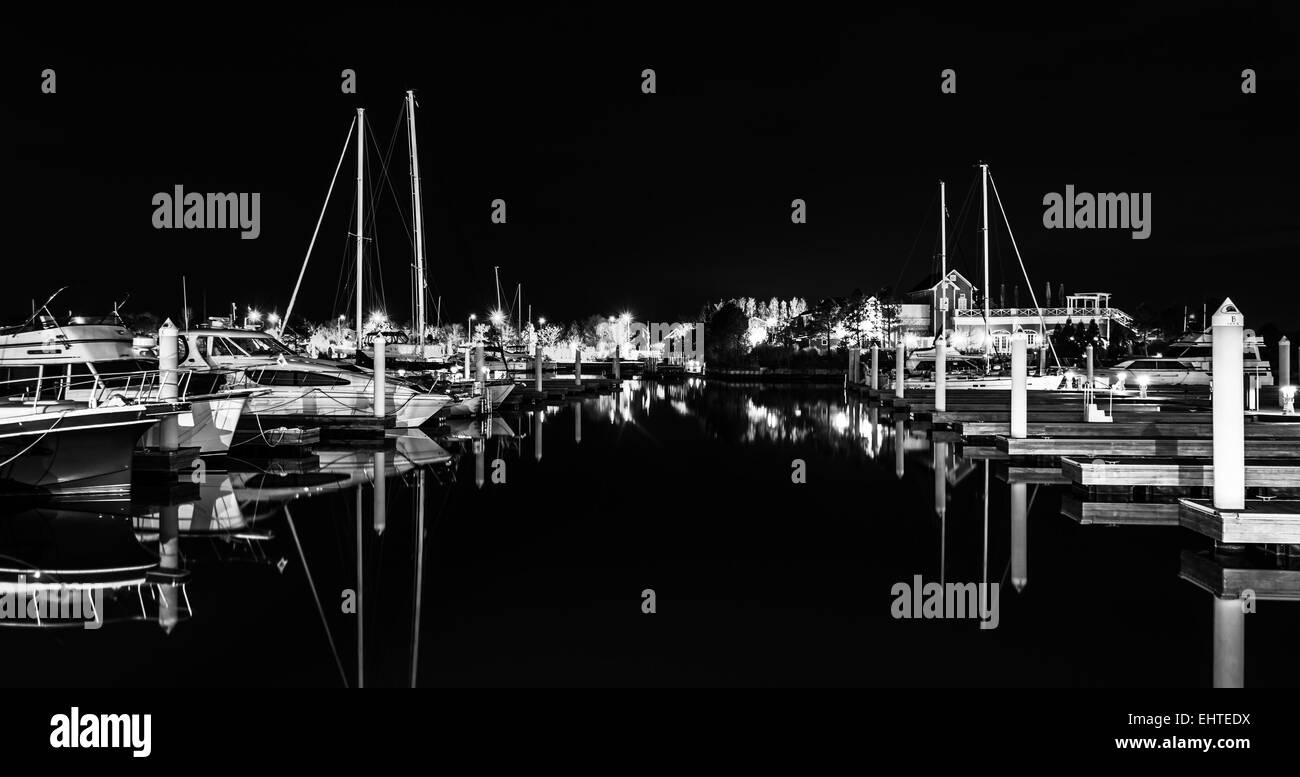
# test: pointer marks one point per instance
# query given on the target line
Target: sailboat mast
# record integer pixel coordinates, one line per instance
(361, 212)
(984, 233)
(497, 277)
(943, 259)
(418, 221)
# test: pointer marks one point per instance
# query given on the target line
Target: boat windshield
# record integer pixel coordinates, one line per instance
(261, 346)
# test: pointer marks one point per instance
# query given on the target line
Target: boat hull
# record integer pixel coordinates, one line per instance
(86, 453)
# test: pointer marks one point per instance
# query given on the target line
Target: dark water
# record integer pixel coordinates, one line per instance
(685, 489)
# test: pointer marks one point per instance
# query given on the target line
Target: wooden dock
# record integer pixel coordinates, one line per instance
(1166, 448)
(1180, 473)
(1170, 425)
(1263, 521)
(1235, 575)
(1119, 513)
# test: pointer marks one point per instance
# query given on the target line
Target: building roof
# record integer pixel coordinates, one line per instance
(931, 280)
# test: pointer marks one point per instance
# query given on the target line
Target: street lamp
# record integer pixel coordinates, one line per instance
(497, 318)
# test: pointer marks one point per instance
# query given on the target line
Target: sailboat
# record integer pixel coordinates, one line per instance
(988, 378)
(401, 358)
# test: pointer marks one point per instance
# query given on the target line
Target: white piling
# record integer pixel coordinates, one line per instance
(577, 365)
(875, 366)
(537, 366)
(940, 374)
(537, 433)
(1283, 364)
(1042, 359)
(1019, 536)
(1229, 417)
(169, 391)
(1229, 643)
(480, 463)
(379, 376)
(1019, 395)
(900, 459)
(380, 490)
(940, 478)
(900, 368)
(1088, 351)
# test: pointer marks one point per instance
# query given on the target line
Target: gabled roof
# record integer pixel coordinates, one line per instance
(930, 281)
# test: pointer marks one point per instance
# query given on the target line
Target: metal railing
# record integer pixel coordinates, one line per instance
(135, 387)
(1114, 314)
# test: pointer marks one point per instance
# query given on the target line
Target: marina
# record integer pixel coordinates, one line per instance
(442, 350)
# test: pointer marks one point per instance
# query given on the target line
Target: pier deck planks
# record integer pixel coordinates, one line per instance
(1174, 473)
(1172, 447)
(1262, 522)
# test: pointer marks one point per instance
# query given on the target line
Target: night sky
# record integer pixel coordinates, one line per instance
(619, 200)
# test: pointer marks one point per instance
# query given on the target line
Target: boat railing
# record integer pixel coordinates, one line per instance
(134, 387)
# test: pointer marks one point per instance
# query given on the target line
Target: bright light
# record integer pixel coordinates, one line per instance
(473, 317)
(253, 315)
(1288, 392)
(542, 321)
(274, 318)
(1144, 380)
(377, 318)
(625, 318)
(498, 317)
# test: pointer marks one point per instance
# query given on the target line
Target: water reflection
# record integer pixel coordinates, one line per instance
(410, 563)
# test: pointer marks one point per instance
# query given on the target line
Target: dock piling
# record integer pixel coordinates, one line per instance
(537, 367)
(168, 362)
(1229, 643)
(379, 490)
(940, 374)
(577, 365)
(1229, 418)
(1284, 361)
(900, 368)
(1019, 396)
(380, 376)
(1088, 351)
(875, 366)
(1019, 536)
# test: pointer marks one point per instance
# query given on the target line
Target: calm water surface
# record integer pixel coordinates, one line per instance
(539, 532)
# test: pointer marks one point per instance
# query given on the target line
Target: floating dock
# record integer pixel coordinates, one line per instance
(1262, 521)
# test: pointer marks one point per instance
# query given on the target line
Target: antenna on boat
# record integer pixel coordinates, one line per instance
(38, 308)
(185, 303)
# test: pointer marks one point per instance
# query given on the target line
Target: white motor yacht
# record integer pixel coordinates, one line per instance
(298, 385)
